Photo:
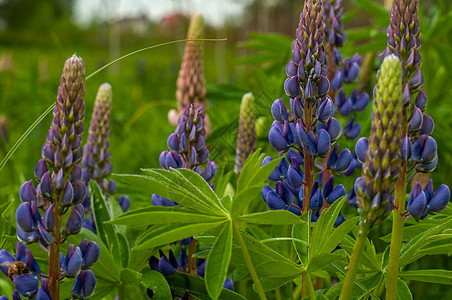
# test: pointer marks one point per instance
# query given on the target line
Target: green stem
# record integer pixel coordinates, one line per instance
(354, 261)
(249, 263)
(398, 222)
(278, 294)
(121, 292)
(309, 286)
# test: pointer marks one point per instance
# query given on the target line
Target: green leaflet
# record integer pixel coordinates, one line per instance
(433, 276)
(157, 283)
(163, 215)
(107, 232)
(403, 291)
(272, 217)
(218, 261)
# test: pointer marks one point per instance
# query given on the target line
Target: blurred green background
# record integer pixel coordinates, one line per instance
(36, 37)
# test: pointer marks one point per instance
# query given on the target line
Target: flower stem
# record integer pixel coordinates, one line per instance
(54, 256)
(249, 263)
(398, 222)
(354, 261)
(308, 285)
(191, 259)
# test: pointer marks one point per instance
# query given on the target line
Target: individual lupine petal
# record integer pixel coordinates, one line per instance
(84, 285)
(49, 219)
(405, 149)
(24, 217)
(173, 142)
(68, 194)
(274, 202)
(343, 161)
(351, 131)
(46, 184)
(295, 106)
(80, 192)
(417, 80)
(336, 83)
(124, 202)
(173, 160)
(291, 69)
(311, 144)
(361, 147)
(279, 111)
(201, 270)
(162, 159)
(417, 206)
(326, 110)
(440, 199)
(427, 125)
(203, 155)
(335, 194)
(333, 127)
(46, 238)
(59, 180)
(91, 253)
(209, 171)
(277, 139)
(323, 86)
(284, 193)
(324, 143)
(111, 187)
(40, 169)
(361, 102)
(309, 90)
(352, 73)
(5, 257)
(406, 98)
(27, 192)
(328, 187)
(47, 153)
(421, 100)
(228, 284)
(43, 291)
(316, 199)
(339, 220)
(346, 107)
(74, 262)
(165, 267)
(275, 174)
(75, 221)
(291, 86)
(26, 284)
(182, 262)
(333, 157)
(160, 201)
(429, 152)
(416, 120)
(294, 177)
(27, 237)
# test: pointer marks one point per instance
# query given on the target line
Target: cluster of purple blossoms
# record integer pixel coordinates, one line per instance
(60, 188)
(187, 149)
(170, 265)
(309, 130)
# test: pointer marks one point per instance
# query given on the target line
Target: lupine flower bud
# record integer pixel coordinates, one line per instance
(26, 284)
(333, 11)
(124, 202)
(380, 169)
(228, 284)
(440, 199)
(75, 221)
(27, 192)
(191, 81)
(90, 252)
(246, 137)
(333, 127)
(74, 261)
(84, 285)
(43, 291)
(351, 131)
(339, 163)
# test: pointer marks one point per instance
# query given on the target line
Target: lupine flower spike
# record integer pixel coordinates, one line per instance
(60, 187)
(246, 137)
(191, 82)
(381, 168)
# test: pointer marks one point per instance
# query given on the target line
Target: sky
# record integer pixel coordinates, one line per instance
(216, 12)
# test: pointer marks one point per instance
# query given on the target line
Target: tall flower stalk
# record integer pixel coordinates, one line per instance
(59, 189)
(246, 137)
(381, 157)
(419, 149)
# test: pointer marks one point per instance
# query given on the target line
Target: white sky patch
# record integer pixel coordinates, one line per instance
(216, 12)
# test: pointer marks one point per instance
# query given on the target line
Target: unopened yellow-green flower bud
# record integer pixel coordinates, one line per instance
(246, 138)
(381, 169)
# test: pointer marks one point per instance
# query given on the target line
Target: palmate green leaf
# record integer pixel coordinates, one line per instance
(324, 226)
(403, 291)
(180, 282)
(432, 276)
(107, 232)
(320, 261)
(412, 247)
(106, 267)
(164, 215)
(124, 248)
(162, 235)
(218, 261)
(157, 283)
(251, 176)
(129, 276)
(363, 287)
(369, 257)
(272, 217)
(338, 235)
(277, 269)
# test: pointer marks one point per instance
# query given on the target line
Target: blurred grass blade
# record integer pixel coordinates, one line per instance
(50, 108)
